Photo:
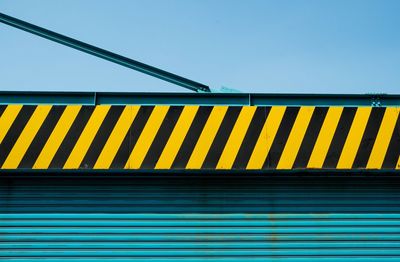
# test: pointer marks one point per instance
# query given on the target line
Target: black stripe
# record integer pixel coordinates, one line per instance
(281, 137)
(221, 137)
(310, 137)
(131, 137)
(2, 108)
(41, 137)
(72, 137)
(191, 137)
(393, 152)
(339, 138)
(251, 137)
(102, 136)
(162, 136)
(14, 132)
(369, 136)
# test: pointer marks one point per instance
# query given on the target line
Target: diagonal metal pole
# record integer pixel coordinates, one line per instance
(102, 53)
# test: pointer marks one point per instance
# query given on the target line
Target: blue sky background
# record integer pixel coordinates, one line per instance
(341, 46)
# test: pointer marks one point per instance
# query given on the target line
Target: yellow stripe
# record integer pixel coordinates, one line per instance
(86, 138)
(354, 137)
(57, 136)
(398, 163)
(7, 119)
(118, 134)
(295, 138)
(325, 137)
(266, 137)
(236, 137)
(206, 137)
(383, 138)
(176, 139)
(25, 139)
(146, 137)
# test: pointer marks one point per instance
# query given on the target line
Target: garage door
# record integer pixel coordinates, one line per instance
(199, 219)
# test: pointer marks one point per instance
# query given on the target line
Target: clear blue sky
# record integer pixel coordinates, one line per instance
(340, 46)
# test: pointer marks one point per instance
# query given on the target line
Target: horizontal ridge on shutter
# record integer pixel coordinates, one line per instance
(202, 219)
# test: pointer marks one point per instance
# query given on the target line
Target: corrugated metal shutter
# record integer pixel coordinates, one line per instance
(199, 219)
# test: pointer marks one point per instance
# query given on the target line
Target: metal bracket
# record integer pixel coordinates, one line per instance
(376, 101)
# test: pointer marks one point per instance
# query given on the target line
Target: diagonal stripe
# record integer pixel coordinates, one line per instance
(398, 164)
(117, 136)
(132, 136)
(161, 138)
(354, 137)
(222, 136)
(85, 140)
(207, 137)
(325, 137)
(295, 138)
(383, 138)
(236, 137)
(7, 118)
(102, 136)
(25, 139)
(250, 139)
(393, 151)
(41, 137)
(191, 137)
(368, 138)
(72, 136)
(176, 139)
(310, 137)
(2, 108)
(56, 137)
(15, 131)
(339, 138)
(146, 137)
(266, 137)
(281, 137)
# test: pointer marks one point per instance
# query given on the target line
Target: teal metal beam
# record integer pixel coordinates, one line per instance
(241, 99)
(102, 53)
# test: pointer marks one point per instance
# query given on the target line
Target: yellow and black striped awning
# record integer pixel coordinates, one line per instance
(199, 137)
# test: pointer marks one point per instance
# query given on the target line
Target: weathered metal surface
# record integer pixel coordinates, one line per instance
(197, 219)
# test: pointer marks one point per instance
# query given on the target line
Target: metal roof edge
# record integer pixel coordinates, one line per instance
(233, 99)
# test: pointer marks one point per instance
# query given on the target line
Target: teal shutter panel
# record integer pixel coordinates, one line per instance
(199, 219)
